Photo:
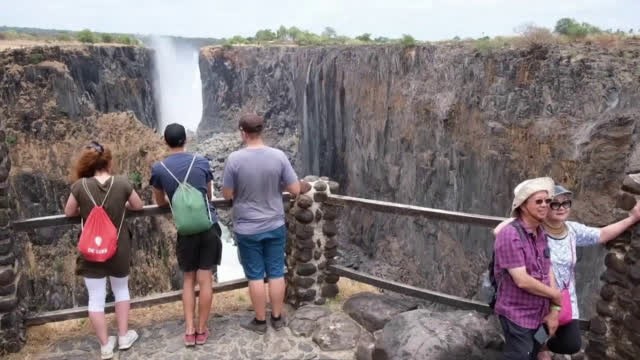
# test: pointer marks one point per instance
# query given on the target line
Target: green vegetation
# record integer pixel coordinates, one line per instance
(408, 41)
(11, 139)
(329, 36)
(86, 36)
(572, 28)
(106, 38)
(366, 37)
(136, 178)
(36, 58)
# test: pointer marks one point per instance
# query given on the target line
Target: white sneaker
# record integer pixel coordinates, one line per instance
(125, 342)
(106, 351)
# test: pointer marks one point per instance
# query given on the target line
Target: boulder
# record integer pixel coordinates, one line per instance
(336, 332)
(373, 311)
(451, 335)
(304, 320)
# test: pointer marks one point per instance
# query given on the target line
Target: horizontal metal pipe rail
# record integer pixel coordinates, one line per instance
(145, 301)
(338, 200)
(412, 210)
(434, 296)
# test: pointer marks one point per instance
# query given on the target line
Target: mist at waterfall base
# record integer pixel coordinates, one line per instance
(178, 93)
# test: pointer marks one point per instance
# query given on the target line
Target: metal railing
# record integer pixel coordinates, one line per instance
(336, 200)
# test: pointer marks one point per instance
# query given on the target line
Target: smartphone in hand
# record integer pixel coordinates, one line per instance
(541, 335)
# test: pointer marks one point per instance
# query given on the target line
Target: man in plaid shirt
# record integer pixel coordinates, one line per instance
(523, 272)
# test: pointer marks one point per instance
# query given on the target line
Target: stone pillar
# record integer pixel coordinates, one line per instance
(311, 244)
(615, 330)
(12, 329)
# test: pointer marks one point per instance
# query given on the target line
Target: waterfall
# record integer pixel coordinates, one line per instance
(178, 87)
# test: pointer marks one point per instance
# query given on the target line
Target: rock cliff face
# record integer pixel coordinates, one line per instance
(53, 101)
(445, 127)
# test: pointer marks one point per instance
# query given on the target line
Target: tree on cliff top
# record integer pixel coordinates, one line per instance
(329, 32)
(407, 41)
(265, 35)
(364, 37)
(570, 27)
(282, 33)
(86, 36)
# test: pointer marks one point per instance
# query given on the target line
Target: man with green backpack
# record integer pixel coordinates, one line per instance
(183, 182)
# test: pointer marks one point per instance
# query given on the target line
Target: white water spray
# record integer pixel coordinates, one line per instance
(178, 88)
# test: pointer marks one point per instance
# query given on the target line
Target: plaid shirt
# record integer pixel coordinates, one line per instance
(519, 306)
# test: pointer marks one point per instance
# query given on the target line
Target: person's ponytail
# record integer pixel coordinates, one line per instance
(93, 158)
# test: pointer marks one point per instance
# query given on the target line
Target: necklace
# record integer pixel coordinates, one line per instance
(557, 232)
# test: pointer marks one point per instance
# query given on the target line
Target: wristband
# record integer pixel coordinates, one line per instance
(556, 307)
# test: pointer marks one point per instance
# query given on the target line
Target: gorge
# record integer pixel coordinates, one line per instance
(445, 126)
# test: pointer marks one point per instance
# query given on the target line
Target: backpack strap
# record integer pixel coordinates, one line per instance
(86, 189)
(190, 166)
(170, 173)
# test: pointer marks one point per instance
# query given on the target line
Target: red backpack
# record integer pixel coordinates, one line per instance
(99, 238)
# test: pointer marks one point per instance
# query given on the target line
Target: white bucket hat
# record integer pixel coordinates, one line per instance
(529, 187)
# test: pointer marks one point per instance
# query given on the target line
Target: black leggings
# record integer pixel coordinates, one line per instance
(567, 339)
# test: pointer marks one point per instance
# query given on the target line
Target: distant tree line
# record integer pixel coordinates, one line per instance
(84, 36)
(329, 36)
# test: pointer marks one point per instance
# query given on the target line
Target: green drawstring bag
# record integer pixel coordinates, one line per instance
(190, 211)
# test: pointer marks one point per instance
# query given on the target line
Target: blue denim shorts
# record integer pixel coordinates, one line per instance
(262, 253)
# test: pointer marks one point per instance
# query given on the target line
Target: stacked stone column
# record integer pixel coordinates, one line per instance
(12, 330)
(615, 331)
(311, 243)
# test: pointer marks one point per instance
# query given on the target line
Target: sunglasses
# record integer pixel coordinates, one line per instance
(556, 205)
(540, 201)
(95, 146)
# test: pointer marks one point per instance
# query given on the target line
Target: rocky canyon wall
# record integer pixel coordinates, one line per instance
(53, 101)
(444, 126)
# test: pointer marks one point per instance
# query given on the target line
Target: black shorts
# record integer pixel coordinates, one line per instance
(201, 251)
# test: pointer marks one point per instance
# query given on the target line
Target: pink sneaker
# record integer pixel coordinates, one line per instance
(190, 339)
(201, 338)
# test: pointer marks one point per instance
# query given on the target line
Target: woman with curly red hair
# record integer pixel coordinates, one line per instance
(94, 184)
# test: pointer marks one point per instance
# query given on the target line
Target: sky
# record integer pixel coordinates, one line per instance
(423, 19)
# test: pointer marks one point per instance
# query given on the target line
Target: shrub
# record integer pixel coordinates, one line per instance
(63, 37)
(407, 41)
(486, 45)
(107, 38)
(86, 36)
(366, 37)
(532, 35)
(294, 33)
(136, 178)
(126, 40)
(12, 139)
(570, 27)
(329, 32)
(237, 40)
(265, 35)
(36, 58)
(282, 33)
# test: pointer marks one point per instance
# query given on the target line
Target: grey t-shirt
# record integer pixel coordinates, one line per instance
(257, 177)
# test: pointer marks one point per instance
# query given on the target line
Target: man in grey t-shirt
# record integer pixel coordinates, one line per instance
(254, 178)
